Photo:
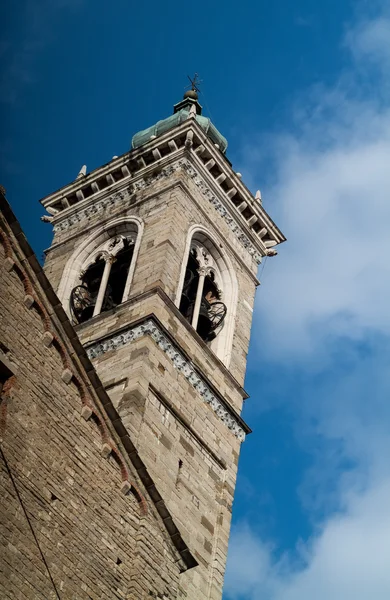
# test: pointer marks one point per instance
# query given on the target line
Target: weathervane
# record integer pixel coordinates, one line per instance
(195, 82)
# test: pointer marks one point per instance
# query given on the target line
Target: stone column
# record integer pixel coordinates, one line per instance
(198, 300)
(109, 260)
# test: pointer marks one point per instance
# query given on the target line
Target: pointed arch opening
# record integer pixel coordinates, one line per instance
(207, 292)
(98, 275)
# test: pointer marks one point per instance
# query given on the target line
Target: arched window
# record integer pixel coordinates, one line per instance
(103, 279)
(208, 291)
(201, 299)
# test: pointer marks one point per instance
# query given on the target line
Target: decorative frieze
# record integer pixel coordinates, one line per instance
(221, 210)
(144, 182)
(100, 206)
(180, 363)
(97, 208)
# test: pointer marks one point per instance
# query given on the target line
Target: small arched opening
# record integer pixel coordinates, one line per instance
(201, 298)
(98, 275)
(103, 282)
(208, 294)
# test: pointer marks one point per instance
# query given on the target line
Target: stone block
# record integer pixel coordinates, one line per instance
(66, 376)
(86, 412)
(106, 450)
(28, 301)
(47, 339)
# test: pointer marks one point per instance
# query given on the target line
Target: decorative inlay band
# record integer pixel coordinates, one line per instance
(97, 208)
(180, 363)
(221, 210)
(100, 206)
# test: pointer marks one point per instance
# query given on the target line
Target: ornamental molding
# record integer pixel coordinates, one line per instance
(97, 208)
(100, 206)
(221, 210)
(182, 364)
(109, 250)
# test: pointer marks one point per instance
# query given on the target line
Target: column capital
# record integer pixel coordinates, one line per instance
(110, 258)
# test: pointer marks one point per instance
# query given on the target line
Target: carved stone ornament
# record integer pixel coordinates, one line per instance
(180, 363)
(108, 251)
(97, 208)
(221, 210)
(207, 265)
(100, 207)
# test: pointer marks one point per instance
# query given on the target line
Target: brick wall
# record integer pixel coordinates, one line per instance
(68, 529)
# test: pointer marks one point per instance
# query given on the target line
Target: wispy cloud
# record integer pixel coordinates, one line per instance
(370, 40)
(347, 560)
(332, 199)
(301, 21)
(325, 317)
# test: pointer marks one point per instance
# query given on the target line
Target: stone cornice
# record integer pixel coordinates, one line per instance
(224, 213)
(190, 141)
(149, 327)
(227, 168)
(80, 212)
(133, 300)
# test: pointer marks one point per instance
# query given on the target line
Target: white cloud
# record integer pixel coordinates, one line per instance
(348, 560)
(250, 562)
(348, 555)
(328, 288)
(370, 40)
(332, 201)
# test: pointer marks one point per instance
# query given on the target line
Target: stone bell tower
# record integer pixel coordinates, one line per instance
(154, 258)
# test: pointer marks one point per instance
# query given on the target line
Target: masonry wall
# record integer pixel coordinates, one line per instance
(152, 303)
(186, 447)
(68, 531)
(197, 487)
(188, 450)
(168, 207)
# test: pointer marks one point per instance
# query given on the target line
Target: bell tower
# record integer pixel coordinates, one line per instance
(154, 259)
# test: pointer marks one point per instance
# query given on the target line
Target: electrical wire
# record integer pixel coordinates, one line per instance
(207, 106)
(28, 520)
(261, 270)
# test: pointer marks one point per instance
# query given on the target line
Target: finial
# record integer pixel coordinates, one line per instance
(258, 196)
(193, 92)
(2, 190)
(82, 172)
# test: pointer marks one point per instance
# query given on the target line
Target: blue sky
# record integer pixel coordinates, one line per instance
(301, 91)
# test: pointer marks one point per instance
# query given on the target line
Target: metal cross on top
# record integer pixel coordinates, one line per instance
(195, 82)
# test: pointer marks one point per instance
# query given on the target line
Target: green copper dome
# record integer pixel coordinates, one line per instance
(142, 137)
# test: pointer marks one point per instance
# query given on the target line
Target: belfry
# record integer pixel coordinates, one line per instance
(154, 260)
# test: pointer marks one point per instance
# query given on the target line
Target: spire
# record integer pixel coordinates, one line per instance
(188, 108)
(190, 98)
(82, 172)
